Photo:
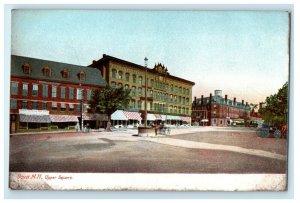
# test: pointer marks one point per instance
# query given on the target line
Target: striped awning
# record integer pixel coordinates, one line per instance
(132, 115)
(35, 118)
(151, 117)
(163, 117)
(158, 117)
(63, 118)
(185, 118)
(119, 115)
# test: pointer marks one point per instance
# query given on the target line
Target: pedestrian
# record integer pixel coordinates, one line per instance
(88, 127)
(77, 127)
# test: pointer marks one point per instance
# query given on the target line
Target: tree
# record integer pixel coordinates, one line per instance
(253, 107)
(276, 107)
(109, 100)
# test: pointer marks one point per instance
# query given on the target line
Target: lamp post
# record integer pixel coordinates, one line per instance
(146, 88)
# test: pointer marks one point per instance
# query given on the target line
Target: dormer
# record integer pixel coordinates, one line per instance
(65, 73)
(47, 71)
(81, 75)
(26, 67)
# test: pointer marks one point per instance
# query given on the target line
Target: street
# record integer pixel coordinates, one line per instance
(188, 150)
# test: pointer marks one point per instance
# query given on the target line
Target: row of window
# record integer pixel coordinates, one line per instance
(157, 84)
(156, 95)
(47, 72)
(159, 107)
(43, 105)
(54, 90)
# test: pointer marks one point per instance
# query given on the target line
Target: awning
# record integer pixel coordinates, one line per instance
(175, 118)
(185, 118)
(132, 115)
(151, 117)
(35, 118)
(95, 116)
(63, 118)
(62, 105)
(119, 115)
(71, 106)
(54, 104)
(157, 116)
(163, 117)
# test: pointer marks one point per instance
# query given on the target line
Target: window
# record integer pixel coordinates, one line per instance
(25, 89)
(171, 88)
(140, 91)
(54, 106)
(63, 106)
(133, 104)
(187, 101)
(71, 93)
(221, 122)
(34, 105)
(13, 104)
(151, 82)
(175, 98)
(78, 109)
(179, 110)
(14, 88)
(134, 78)
(24, 104)
(88, 94)
(171, 109)
(171, 98)
(133, 90)
(65, 73)
(120, 85)
(215, 121)
(113, 84)
(175, 109)
(26, 68)
(44, 105)
(35, 90)
(139, 104)
(120, 75)
(151, 93)
(113, 73)
(46, 71)
(71, 107)
(127, 77)
(126, 87)
(140, 80)
(179, 100)
(45, 90)
(180, 90)
(82, 75)
(79, 94)
(187, 91)
(63, 92)
(54, 89)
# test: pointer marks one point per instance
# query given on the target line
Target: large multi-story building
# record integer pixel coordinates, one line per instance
(217, 110)
(47, 95)
(168, 97)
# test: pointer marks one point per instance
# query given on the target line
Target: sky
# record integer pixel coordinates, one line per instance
(244, 54)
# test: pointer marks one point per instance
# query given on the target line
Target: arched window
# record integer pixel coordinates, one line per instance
(113, 73)
(134, 78)
(140, 79)
(120, 75)
(46, 71)
(127, 77)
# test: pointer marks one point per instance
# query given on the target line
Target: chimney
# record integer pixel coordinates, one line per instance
(210, 97)
(246, 103)
(260, 105)
(243, 102)
(226, 97)
(202, 99)
(234, 101)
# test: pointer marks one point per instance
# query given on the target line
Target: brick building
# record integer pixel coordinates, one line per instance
(169, 97)
(217, 110)
(49, 95)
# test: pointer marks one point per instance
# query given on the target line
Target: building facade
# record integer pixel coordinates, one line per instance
(49, 95)
(217, 110)
(167, 95)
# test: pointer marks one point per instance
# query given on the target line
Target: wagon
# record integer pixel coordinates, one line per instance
(164, 131)
(268, 131)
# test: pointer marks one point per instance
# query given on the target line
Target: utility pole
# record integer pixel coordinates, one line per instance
(146, 88)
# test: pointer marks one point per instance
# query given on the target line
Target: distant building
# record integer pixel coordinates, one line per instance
(169, 97)
(48, 95)
(217, 110)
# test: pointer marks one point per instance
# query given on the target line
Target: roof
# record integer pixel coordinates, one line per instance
(111, 58)
(93, 76)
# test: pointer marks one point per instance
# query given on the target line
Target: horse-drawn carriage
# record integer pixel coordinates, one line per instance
(268, 130)
(163, 130)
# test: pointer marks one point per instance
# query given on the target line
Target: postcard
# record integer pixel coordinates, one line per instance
(144, 100)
